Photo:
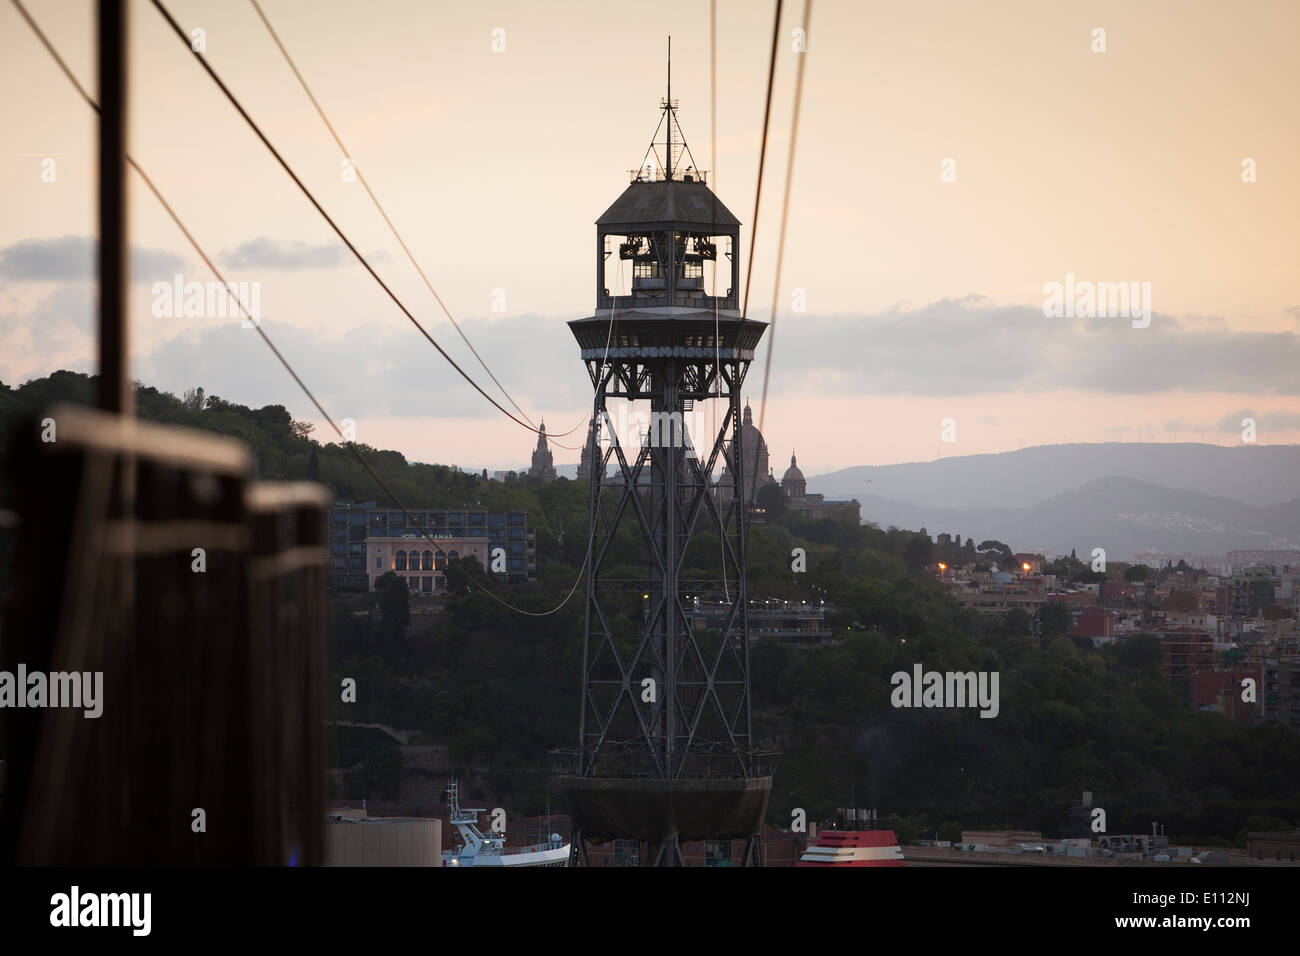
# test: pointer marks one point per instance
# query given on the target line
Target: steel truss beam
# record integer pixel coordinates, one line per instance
(702, 706)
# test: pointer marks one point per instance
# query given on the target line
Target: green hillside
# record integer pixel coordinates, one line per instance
(502, 688)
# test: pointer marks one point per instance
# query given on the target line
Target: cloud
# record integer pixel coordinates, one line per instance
(378, 370)
(73, 258)
(54, 332)
(965, 347)
(947, 348)
(265, 253)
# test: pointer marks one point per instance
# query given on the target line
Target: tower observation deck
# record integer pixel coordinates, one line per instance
(665, 749)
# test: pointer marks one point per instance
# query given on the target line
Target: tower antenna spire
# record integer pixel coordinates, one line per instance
(668, 104)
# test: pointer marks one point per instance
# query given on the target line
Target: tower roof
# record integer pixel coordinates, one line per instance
(669, 203)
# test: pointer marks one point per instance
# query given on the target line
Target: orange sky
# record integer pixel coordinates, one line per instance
(1115, 166)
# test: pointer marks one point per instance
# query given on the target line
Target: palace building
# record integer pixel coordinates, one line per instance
(758, 474)
(757, 469)
(366, 542)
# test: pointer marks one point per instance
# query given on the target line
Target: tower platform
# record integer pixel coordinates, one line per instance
(718, 808)
(669, 332)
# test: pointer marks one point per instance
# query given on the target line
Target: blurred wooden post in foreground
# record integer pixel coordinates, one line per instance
(213, 692)
(188, 601)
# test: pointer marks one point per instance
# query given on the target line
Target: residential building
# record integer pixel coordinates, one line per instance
(1093, 622)
(1281, 691)
(1186, 652)
(1220, 690)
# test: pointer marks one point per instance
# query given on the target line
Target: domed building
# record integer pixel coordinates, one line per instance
(758, 474)
(793, 483)
(758, 471)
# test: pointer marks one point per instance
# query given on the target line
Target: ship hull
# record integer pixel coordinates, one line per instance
(838, 848)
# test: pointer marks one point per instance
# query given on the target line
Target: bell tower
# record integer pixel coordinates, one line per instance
(666, 752)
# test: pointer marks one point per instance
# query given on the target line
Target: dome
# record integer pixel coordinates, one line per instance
(757, 471)
(792, 473)
(793, 482)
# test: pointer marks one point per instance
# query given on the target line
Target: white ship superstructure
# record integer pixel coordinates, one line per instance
(481, 850)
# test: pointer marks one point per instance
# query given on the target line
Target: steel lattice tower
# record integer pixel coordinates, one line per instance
(666, 750)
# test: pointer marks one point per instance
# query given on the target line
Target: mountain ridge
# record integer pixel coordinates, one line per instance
(1126, 516)
(1259, 475)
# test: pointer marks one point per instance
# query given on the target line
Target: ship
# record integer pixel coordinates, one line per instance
(479, 850)
(853, 848)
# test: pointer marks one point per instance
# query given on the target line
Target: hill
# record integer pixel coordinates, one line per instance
(1127, 498)
(1260, 475)
(1123, 515)
(501, 689)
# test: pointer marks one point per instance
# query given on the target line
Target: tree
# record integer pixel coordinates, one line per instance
(194, 399)
(1017, 621)
(466, 574)
(1054, 620)
(1137, 572)
(772, 500)
(381, 769)
(918, 552)
(1140, 653)
(992, 545)
(395, 606)
(313, 465)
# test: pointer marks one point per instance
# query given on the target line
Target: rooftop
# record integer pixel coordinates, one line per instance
(665, 203)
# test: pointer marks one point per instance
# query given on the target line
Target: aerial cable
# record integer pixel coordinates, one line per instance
(375, 199)
(234, 101)
(785, 212)
(256, 325)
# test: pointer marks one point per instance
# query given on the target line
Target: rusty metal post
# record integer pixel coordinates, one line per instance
(115, 393)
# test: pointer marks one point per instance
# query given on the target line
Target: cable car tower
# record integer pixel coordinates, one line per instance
(666, 751)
